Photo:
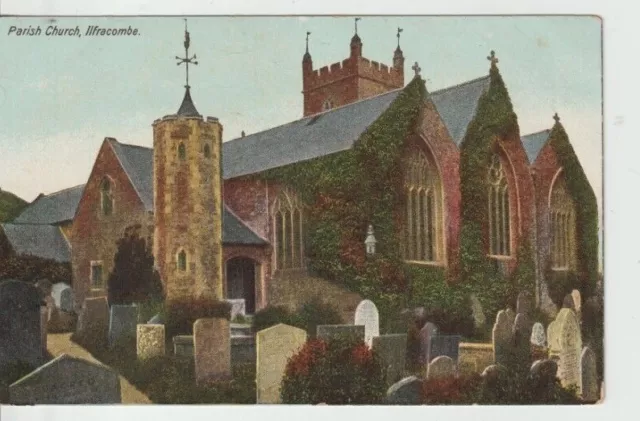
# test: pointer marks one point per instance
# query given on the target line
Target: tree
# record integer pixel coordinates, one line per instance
(134, 279)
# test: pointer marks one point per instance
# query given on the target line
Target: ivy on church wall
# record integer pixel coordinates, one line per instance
(494, 119)
(587, 216)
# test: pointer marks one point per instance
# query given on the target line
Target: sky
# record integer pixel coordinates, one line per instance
(61, 96)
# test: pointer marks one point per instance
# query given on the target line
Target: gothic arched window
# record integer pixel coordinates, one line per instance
(182, 151)
(423, 213)
(499, 220)
(563, 227)
(182, 261)
(288, 228)
(106, 196)
(207, 151)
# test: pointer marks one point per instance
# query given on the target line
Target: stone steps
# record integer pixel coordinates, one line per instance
(240, 329)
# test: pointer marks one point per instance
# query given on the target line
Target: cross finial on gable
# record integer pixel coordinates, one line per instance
(556, 117)
(416, 68)
(492, 58)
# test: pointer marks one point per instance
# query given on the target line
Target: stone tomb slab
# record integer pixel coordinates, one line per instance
(329, 332)
(274, 347)
(367, 315)
(67, 380)
(392, 349)
(447, 345)
(22, 324)
(183, 346)
(93, 322)
(122, 323)
(407, 391)
(441, 366)
(67, 300)
(212, 350)
(150, 341)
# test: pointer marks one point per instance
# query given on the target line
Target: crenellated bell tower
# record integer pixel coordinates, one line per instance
(187, 199)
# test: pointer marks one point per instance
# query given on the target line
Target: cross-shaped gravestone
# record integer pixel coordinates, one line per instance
(416, 68)
(492, 58)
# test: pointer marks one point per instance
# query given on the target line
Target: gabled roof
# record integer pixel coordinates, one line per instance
(314, 136)
(45, 241)
(533, 144)
(137, 162)
(457, 105)
(52, 209)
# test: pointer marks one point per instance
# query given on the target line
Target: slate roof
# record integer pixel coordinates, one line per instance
(45, 241)
(137, 162)
(457, 105)
(52, 209)
(187, 108)
(533, 144)
(337, 130)
(314, 136)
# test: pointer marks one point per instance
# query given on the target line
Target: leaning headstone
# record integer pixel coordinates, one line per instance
(502, 338)
(524, 303)
(93, 322)
(122, 324)
(448, 345)
(367, 315)
(67, 380)
(589, 377)
(570, 340)
(329, 332)
(212, 350)
(441, 366)
(428, 331)
(479, 318)
(238, 307)
(407, 391)
(150, 341)
(538, 337)
(67, 301)
(21, 318)
(274, 347)
(392, 349)
(183, 346)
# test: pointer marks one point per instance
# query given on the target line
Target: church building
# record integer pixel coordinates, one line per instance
(225, 223)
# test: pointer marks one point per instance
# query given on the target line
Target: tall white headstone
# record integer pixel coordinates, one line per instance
(367, 315)
(569, 364)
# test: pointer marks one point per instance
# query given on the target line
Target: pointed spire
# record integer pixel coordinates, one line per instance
(307, 56)
(398, 36)
(187, 108)
(356, 37)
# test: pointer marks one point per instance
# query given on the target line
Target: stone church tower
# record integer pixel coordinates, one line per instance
(187, 200)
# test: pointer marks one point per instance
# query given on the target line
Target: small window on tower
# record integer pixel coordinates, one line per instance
(182, 261)
(182, 151)
(207, 151)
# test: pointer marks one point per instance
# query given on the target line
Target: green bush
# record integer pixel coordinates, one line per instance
(560, 284)
(181, 314)
(460, 390)
(338, 372)
(273, 315)
(316, 312)
(517, 389)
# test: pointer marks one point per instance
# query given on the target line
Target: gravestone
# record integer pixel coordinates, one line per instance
(570, 349)
(538, 337)
(577, 301)
(589, 377)
(21, 324)
(441, 366)
(329, 332)
(522, 328)
(494, 375)
(150, 341)
(544, 371)
(122, 324)
(407, 391)
(502, 335)
(212, 350)
(367, 315)
(479, 318)
(274, 347)
(568, 302)
(56, 291)
(428, 331)
(67, 300)
(524, 303)
(392, 349)
(67, 380)
(156, 320)
(93, 321)
(183, 346)
(553, 340)
(447, 345)
(238, 307)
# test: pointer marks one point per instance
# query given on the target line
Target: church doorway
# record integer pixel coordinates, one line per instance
(241, 281)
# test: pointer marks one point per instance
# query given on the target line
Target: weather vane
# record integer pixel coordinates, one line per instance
(308, 33)
(356, 24)
(186, 59)
(398, 35)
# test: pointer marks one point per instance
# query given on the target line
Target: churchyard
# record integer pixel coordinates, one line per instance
(308, 356)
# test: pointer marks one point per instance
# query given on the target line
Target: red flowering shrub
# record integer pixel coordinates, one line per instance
(451, 390)
(335, 372)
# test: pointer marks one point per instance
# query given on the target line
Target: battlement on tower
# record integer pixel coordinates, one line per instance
(353, 66)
